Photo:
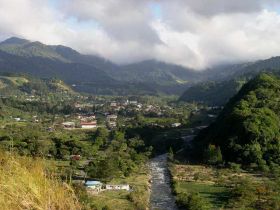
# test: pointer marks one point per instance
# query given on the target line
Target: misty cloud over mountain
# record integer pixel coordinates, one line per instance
(196, 34)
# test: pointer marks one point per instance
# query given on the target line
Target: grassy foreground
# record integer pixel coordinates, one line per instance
(26, 183)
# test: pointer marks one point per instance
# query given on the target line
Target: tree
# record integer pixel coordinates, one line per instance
(214, 155)
(170, 154)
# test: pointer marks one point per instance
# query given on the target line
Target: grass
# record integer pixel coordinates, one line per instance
(18, 81)
(27, 183)
(199, 179)
(216, 195)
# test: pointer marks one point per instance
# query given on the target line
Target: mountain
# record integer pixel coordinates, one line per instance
(212, 93)
(157, 72)
(92, 73)
(225, 81)
(247, 131)
(35, 58)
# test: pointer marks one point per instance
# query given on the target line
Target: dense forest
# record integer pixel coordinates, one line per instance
(247, 131)
(212, 93)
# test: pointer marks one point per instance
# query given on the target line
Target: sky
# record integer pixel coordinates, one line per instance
(197, 34)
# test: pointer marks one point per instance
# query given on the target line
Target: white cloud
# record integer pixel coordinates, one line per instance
(193, 33)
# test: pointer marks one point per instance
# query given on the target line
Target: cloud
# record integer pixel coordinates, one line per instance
(193, 33)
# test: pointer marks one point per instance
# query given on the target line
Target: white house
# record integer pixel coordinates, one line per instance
(112, 117)
(68, 125)
(117, 187)
(94, 185)
(175, 125)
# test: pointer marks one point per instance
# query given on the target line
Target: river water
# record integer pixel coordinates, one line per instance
(161, 195)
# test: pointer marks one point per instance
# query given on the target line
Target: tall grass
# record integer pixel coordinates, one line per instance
(26, 183)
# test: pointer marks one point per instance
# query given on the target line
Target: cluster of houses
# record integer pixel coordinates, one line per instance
(85, 122)
(97, 186)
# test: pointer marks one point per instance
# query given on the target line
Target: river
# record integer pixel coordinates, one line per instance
(161, 195)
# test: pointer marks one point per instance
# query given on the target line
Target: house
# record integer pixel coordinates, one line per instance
(75, 157)
(175, 125)
(86, 118)
(88, 125)
(17, 119)
(117, 187)
(113, 104)
(112, 124)
(112, 117)
(93, 185)
(68, 125)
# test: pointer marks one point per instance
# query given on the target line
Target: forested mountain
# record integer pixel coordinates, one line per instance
(158, 72)
(35, 58)
(247, 131)
(92, 73)
(212, 93)
(227, 80)
(95, 74)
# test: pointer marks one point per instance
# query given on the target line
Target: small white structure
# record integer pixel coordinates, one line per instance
(68, 125)
(175, 125)
(113, 104)
(17, 119)
(112, 117)
(94, 185)
(117, 187)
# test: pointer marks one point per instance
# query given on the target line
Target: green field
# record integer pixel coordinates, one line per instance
(216, 195)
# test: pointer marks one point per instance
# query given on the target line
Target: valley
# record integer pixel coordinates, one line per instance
(139, 105)
(121, 141)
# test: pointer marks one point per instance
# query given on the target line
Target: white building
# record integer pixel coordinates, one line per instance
(117, 187)
(68, 125)
(88, 125)
(175, 125)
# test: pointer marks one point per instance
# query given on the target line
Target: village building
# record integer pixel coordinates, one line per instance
(175, 125)
(86, 118)
(68, 125)
(88, 125)
(75, 157)
(117, 187)
(133, 102)
(94, 185)
(112, 124)
(113, 104)
(112, 117)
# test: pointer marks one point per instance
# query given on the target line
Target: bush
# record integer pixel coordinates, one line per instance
(235, 167)
(136, 197)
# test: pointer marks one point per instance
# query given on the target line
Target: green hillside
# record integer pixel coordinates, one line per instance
(19, 85)
(247, 131)
(212, 93)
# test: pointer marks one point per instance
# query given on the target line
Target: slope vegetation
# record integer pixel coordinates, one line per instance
(247, 131)
(27, 184)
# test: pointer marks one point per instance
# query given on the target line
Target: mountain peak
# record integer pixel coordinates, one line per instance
(15, 40)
